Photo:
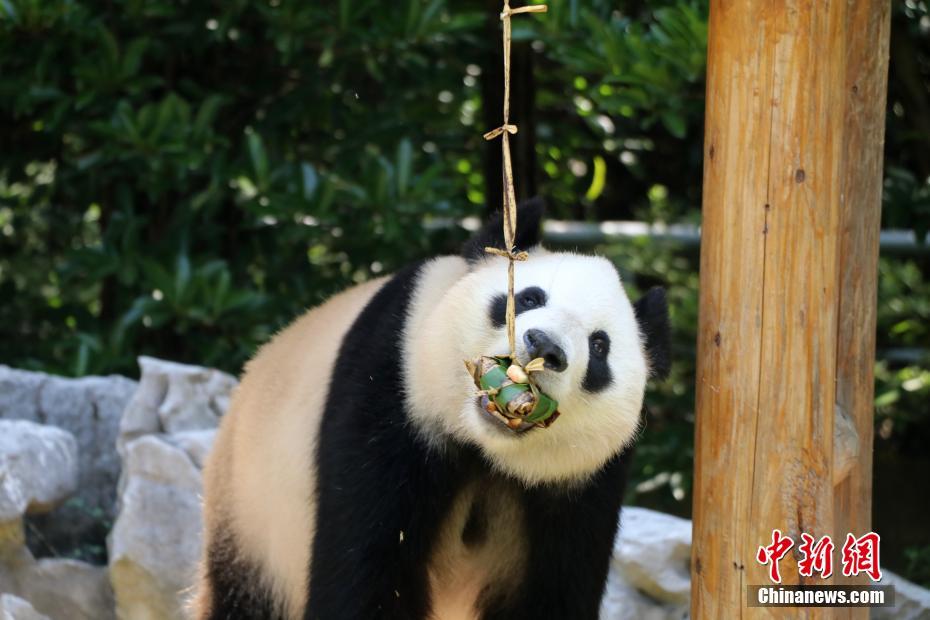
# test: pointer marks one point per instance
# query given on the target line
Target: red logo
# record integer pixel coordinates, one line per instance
(817, 557)
(860, 555)
(773, 553)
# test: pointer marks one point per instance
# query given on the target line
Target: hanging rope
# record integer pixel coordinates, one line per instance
(510, 202)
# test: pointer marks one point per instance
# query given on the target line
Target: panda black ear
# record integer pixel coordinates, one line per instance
(652, 315)
(529, 229)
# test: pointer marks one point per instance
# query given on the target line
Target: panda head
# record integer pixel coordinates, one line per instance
(572, 311)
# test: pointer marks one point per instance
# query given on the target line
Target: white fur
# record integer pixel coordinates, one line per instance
(260, 484)
(449, 322)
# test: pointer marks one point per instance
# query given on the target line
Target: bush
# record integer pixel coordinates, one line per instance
(181, 180)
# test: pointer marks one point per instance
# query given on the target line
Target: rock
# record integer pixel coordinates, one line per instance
(90, 409)
(12, 539)
(911, 602)
(15, 608)
(38, 468)
(196, 444)
(173, 398)
(624, 602)
(652, 553)
(155, 543)
(70, 589)
(19, 390)
(60, 589)
(165, 435)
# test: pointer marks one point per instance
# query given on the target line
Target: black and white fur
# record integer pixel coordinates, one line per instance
(357, 477)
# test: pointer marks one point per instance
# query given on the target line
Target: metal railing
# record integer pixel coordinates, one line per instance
(892, 242)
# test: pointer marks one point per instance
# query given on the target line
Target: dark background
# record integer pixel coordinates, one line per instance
(180, 179)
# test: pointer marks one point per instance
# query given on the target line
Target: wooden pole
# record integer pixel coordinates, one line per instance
(868, 23)
(795, 111)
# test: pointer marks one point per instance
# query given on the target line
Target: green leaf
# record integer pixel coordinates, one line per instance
(9, 10)
(598, 179)
(404, 165)
(132, 59)
(676, 124)
(182, 275)
(259, 159)
(207, 113)
(310, 180)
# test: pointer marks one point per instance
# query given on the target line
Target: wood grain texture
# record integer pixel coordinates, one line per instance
(787, 266)
(868, 23)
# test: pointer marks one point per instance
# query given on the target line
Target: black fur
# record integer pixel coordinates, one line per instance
(491, 235)
(598, 375)
(235, 588)
(529, 298)
(570, 534)
(476, 526)
(652, 314)
(376, 479)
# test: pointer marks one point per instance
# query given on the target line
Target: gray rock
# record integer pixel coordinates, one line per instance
(14, 608)
(70, 589)
(90, 409)
(624, 602)
(38, 468)
(196, 444)
(652, 553)
(155, 543)
(59, 589)
(174, 398)
(911, 602)
(19, 393)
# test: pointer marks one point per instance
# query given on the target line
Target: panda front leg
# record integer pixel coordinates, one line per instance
(570, 535)
(380, 497)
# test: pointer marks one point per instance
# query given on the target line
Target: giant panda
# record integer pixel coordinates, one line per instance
(356, 475)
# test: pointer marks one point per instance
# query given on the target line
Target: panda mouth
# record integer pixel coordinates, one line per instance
(498, 422)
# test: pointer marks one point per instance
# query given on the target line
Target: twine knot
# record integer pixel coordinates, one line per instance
(532, 8)
(511, 254)
(511, 129)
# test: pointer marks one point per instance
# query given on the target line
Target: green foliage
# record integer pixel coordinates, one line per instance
(622, 92)
(302, 144)
(902, 382)
(906, 201)
(664, 458)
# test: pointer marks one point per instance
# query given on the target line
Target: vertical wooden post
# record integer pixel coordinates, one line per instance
(868, 23)
(795, 110)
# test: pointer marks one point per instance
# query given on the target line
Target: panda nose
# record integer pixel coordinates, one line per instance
(539, 344)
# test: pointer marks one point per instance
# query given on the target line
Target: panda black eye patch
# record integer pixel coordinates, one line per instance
(598, 375)
(530, 298)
